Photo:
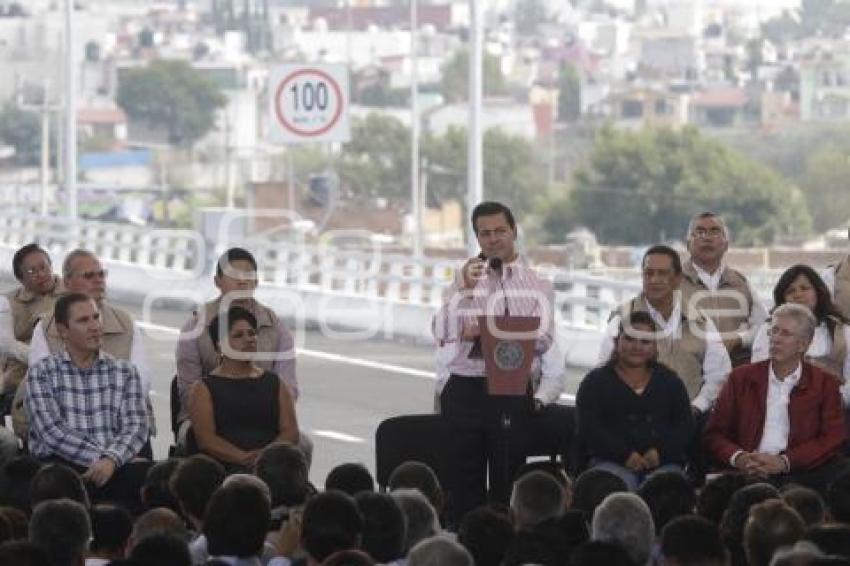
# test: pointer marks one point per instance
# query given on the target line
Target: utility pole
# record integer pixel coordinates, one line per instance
(70, 113)
(415, 200)
(475, 177)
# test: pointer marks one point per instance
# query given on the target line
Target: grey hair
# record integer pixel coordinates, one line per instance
(707, 214)
(69, 260)
(422, 520)
(62, 528)
(439, 551)
(625, 519)
(806, 321)
(536, 497)
(250, 481)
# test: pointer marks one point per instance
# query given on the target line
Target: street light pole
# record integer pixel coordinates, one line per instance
(475, 177)
(70, 113)
(415, 200)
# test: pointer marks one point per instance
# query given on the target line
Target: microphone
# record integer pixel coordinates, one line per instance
(495, 264)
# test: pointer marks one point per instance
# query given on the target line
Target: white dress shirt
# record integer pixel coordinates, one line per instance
(821, 346)
(774, 438)
(716, 364)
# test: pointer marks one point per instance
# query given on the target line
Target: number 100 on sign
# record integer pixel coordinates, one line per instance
(309, 104)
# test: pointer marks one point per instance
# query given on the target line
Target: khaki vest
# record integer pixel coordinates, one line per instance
(834, 361)
(709, 305)
(26, 309)
(842, 287)
(267, 336)
(684, 354)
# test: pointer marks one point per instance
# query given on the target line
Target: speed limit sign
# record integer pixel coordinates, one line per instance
(309, 103)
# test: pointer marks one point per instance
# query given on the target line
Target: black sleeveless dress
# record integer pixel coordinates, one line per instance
(246, 411)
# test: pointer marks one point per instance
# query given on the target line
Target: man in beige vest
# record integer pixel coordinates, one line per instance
(717, 290)
(689, 346)
(83, 273)
(837, 279)
(236, 279)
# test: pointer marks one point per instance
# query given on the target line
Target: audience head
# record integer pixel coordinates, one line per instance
(707, 238)
(110, 526)
(78, 322)
(383, 526)
(161, 520)
(736, 515)
(635, 343)
(554, 469)
(807, 503)
(243, 537)
(161, 549)
(715, 495)
(832, 539)
(237, 320)
(531, 547)
(625, 519)
(15, 478)
(596, 552)
(61, 527)
(421, 518)
(669, 495)
(772, 524)
(249, 481)
(236, 272)
(690, 540)
(592, 486)
(32, 268)
(805, 553)
(792, 328)
(661, 270)
(800, 284)
(331, 522)
(536, 497)
(57, 481)
(439, 551)
(486, 533)
(23, 553)
(838, 498)
(17, 520)
(350, 478)
(417, 475)
(350, 557)
(83, 273)
(156, 491)
(283, 468)
(193, 483)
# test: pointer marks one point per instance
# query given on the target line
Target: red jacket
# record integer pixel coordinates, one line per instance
(815, 414)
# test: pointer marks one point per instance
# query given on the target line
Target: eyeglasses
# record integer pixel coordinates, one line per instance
(709, 233)
(89, 275)
(37, 270)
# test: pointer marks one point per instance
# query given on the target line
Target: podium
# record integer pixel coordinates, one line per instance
(507, 346)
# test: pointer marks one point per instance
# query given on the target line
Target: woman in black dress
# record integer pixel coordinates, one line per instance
(238, 408)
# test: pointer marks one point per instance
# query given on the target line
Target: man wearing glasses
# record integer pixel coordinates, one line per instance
(722, 293)
(83, 273)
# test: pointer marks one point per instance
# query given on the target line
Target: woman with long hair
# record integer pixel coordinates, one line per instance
(634, 416)
(830, 347)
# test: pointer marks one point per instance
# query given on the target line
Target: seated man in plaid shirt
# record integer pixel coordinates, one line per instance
(87, 409)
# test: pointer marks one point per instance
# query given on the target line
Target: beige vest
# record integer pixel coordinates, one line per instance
(684, 354)
(26, 309)
(842, 287)
(730, 280)
(834, 361)
(267, 336)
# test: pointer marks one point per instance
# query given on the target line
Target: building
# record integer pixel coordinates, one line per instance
(825, 87)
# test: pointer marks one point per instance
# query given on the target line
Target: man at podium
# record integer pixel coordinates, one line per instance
(492, 424)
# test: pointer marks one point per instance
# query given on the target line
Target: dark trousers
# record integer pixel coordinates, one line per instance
(123, 488)
(495, 435)
(817, 478)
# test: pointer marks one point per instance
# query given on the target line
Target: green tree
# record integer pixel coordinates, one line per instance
(641, 187)
(528, 15)
(824, 185)
(454, 84)
(376, 162)
(21, 129)
(173, 96)
(569, 93)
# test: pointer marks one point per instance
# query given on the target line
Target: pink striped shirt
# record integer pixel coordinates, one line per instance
(526, 295)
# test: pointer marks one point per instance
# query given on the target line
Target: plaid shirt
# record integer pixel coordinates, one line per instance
(81, 415)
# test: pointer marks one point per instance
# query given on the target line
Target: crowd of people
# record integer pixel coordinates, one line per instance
(711, 432)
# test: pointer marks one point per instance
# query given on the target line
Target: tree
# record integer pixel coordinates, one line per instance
(22, 130)
(171, 95)
(569, 95)
(824, 185)
(528, 15)
(376, 162)
(641, 187)
(454, 84)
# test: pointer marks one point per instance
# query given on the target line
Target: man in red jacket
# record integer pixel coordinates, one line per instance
(781, 419)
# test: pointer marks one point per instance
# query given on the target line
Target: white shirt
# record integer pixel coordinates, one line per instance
(9, 346)
(828, 276)
(39, 349)
(716, 364)
(774, 439)
(821, 346)
(758, 314)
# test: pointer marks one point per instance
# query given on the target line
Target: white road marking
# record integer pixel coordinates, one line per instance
(334, 435)
(392, 368)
